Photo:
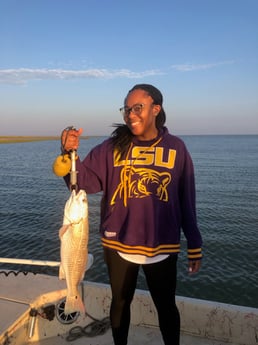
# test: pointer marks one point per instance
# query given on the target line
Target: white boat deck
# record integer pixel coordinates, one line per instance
(21, 292)
(138, 336)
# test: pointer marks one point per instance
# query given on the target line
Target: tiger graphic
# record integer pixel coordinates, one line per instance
(141, 183)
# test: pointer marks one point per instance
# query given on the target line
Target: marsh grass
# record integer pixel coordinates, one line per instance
(24, 139)
(21, 139)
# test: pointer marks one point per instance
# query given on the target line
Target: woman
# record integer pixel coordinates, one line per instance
(147, 179)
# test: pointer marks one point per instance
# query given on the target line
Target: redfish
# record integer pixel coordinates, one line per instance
(74, 235)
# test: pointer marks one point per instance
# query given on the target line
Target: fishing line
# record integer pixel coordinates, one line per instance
(97, 327)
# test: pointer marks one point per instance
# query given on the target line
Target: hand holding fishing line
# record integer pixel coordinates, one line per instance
(70, 139)
(69, 144)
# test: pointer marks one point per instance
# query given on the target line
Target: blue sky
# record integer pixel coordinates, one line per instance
(71, 62)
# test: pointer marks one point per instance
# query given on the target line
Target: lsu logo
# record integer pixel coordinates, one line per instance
(148, 156)
(141, 183)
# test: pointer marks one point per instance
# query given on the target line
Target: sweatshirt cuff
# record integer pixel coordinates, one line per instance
(194, 254)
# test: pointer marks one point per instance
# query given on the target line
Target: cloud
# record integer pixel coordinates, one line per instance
(24, 75)
(196, 67)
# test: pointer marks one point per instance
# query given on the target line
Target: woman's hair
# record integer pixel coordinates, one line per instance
(122, 136)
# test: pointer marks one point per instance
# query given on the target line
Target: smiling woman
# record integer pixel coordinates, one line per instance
(147, 180)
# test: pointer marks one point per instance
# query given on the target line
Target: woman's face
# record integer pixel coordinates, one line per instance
(140, 114)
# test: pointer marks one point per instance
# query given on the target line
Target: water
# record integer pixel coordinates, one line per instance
(32, 200)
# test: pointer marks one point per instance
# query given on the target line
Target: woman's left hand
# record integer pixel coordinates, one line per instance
(194, 266)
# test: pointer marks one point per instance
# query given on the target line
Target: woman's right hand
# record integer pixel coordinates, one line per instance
(70, 139)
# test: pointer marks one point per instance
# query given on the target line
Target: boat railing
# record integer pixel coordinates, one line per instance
(40, 262)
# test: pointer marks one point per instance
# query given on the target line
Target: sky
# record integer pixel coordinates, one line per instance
(72, 62)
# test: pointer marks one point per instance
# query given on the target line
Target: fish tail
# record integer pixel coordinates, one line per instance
(74, 304)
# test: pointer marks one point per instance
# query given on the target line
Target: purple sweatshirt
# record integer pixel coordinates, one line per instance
(148, 197)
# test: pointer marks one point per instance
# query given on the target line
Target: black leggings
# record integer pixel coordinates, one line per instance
(161, 280)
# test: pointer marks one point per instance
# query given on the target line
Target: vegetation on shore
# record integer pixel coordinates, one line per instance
(24, 139)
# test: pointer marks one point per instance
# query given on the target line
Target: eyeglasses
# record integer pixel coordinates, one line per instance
(136, 109)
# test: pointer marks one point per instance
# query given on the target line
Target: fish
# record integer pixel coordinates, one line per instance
(74, 236)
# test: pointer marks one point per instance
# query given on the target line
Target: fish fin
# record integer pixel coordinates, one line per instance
(61, 272)
(82, 277)
(74, 304)
(63, 230)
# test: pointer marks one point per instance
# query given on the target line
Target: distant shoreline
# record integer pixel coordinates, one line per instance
(25, 139)
(12, 139)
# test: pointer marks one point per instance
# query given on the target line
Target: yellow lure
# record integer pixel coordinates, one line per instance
(62, 165)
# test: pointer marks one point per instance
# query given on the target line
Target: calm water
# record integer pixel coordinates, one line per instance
(32, 200)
